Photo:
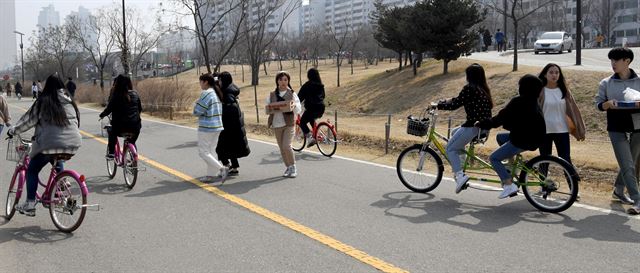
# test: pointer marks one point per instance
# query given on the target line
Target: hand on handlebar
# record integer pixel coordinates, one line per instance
(433, 105)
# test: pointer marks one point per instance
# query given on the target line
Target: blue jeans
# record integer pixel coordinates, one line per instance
(626, 147)
(455, 147)
(35, 166)
(507, 150)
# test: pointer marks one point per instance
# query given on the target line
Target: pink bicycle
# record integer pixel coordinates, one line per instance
(127, 159)
(65, 193)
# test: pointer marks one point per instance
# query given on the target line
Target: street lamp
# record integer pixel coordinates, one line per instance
(21, 56)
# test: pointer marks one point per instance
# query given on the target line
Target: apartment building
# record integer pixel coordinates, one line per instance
(48, 16)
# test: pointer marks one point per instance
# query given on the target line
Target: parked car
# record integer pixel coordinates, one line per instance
(557, 41)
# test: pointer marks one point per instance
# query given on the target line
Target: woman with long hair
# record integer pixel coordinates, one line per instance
(282, 122)
(125, 107)
(312, 96)
(476, 99)
(232, 143)
(57, 120)
(208, 109)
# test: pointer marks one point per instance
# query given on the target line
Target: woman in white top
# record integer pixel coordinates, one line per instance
(283, 123)
(561, 114)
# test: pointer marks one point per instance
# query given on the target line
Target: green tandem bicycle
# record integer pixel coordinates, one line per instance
(548, 182)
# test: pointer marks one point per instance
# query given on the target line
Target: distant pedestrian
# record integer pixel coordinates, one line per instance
(34, 90)
(71, 87)
(283, 123)
(5, 117)
(8, 89)
(599, 40)
(232, 143)
(500, 40)
(622, 125)
(208, 109)
(486, 36)
(18, 90)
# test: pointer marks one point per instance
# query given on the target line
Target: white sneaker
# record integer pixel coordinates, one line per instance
(508, 191)
(311, 141)
(224, 172)
(27, 208)
(287, 172)
(293, 172)
(461, 180)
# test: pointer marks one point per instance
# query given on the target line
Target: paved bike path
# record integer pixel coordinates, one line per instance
(362, 205)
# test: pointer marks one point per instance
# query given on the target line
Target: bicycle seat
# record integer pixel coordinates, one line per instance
(62, 156)
(481, 138)
(127, 135)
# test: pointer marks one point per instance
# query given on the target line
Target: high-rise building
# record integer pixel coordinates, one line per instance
(84, 16)
(8, 48)
(48, 16)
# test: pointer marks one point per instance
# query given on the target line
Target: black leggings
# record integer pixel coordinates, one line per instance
(113, 136)
(563, 145)
(310, 118)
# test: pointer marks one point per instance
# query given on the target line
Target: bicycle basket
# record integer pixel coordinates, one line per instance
(15, 149)
(417, 127)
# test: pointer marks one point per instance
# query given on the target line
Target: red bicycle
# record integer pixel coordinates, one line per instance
(65, 193)
(324, 133)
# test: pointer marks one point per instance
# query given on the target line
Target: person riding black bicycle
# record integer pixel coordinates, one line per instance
(312, 96)
(57, 120)
(524, 120)
(125, 108)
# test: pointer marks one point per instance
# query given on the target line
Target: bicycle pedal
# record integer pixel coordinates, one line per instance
(465, 186)
(513, 194)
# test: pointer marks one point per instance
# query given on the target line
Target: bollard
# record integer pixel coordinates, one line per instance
(449, 129)
(387, 132)
(170, 112)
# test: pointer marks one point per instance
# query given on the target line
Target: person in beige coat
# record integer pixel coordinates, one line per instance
(5, 117)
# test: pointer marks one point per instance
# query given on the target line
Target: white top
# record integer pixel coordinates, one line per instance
(278, 118)
(555, 111)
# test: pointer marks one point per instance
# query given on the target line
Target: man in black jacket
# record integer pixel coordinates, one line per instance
(71, 87)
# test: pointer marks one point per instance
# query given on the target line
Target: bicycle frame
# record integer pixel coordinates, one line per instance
(473, 162)
(314, 129)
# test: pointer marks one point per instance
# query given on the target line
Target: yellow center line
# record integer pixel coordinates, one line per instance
(284, 221)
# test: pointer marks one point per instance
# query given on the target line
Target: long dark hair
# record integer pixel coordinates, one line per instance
(476, 78)
(283, 74)
(49, 105)
(121, 86)
(561, 83)
(225, 80)
(314, 75)
(210, 79)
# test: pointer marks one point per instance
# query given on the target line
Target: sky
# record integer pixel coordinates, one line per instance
(27, 11)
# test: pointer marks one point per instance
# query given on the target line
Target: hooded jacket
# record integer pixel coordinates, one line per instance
(312, 95)
(522, 116)
(232, 142)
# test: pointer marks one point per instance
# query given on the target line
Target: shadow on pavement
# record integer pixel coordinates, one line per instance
(32, 234)
(425, 208)
(164, 187)
(275, 158)
(184, 145)
(99, 185)
(241, 187)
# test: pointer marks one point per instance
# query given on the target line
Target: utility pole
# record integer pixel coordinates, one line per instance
(504, 21)
(578, 32)
(21, 55)
(125, 47)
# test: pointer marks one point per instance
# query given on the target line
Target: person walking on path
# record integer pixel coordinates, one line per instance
(623, 125)
(56, 120)
(232, 143)
(8, 89)
(283, 123)
(486, 36)
(34, 90)
(500, 40)
(208, 109)
(476, 99)
(312, 95)
(5, 117)
(71, 87)
(18, 90)
(125, 107)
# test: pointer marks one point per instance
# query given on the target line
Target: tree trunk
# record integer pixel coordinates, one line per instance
(338, 64)
(351, 61)
(299, 70)
(264, 66)
(242, 68)
(515, 45)
(255, 95)
(446, 67)
(399, 60)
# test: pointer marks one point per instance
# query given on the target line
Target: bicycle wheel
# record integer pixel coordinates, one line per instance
(326, 140)
(67, 203)
(112, 167)
(12, 198)
(549, 183)
(299, 139)
(420, 170)
(130, 168)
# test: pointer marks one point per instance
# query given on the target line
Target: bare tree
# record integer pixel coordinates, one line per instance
(259, 35)
(59, 45)
(516, 11)
(96, 37)
(604, 18)
(355, 37)
(37, 61)
(340, 39)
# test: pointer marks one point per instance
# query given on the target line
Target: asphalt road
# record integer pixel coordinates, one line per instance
(339, 215)
(592, 59)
